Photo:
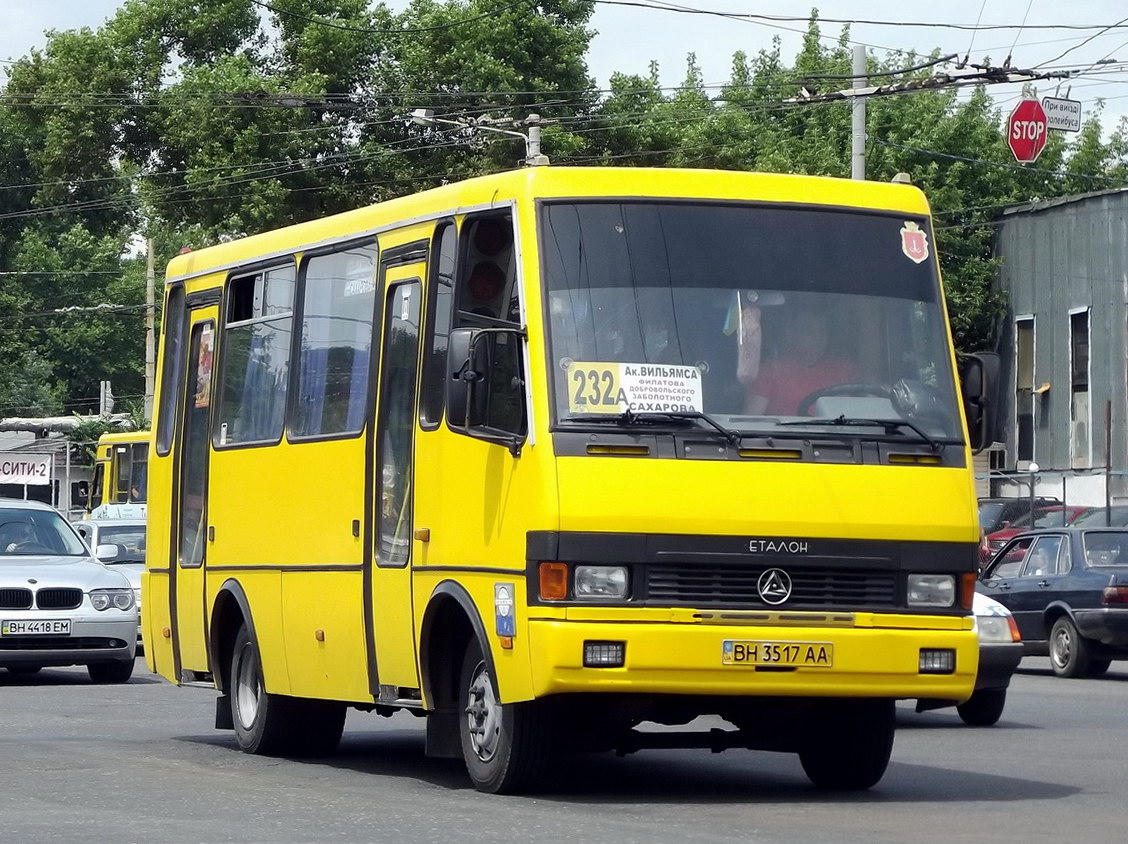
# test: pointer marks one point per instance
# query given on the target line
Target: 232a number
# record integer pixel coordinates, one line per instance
(594, 388)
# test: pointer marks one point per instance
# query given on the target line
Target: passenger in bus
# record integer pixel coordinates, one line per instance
(803, 364)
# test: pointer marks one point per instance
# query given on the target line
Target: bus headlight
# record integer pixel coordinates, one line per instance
(600, 583)
(931, 590)
(103, 599)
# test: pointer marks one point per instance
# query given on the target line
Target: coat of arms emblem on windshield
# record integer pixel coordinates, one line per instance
(774, 586)
(914, 242)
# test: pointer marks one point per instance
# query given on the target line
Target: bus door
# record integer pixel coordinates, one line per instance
(189, 509)
(392, 623)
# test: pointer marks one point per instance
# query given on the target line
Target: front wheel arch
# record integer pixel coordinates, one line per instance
(451, 613)
(230, 611)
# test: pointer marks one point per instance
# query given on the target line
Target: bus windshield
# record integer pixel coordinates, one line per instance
(759, 316)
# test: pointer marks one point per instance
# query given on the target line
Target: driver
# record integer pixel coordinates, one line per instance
(803, 364)
(16, 534)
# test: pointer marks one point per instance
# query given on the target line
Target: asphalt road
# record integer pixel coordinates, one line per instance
(141, 763)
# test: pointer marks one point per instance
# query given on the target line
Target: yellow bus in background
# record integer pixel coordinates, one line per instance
(119, 487)
(526, 454)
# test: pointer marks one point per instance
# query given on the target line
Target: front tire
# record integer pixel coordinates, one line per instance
(1097, 667)
(1070, 654)
(276, 725)
(984, 708)
(848, 745)
(111, 672)
(506, 747)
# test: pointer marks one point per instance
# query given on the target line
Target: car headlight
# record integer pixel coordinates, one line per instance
(996, 544)
(996, 624)
(600, 583)
(931, 590)
(103, 599)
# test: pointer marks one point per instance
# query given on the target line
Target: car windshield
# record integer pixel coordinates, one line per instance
(1041, 518)
(1106, 548)
(31, 533)
(130, 540)
(757, 316)
(989, 514)
(1103, 517)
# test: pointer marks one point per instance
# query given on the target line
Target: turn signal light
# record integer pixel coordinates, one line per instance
(1015, 635)
(967, 589)
(553, 581)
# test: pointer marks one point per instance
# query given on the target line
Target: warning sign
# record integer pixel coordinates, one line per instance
(640, 387)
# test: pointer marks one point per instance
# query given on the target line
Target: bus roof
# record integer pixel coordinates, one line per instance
(119, 437)
(549, 182)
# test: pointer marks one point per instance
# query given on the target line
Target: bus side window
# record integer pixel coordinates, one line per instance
(440, 294)
(256, 357)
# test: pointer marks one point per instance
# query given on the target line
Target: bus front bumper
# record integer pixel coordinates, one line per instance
(687, 659)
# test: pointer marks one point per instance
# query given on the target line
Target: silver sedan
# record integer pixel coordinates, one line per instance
(58, 604)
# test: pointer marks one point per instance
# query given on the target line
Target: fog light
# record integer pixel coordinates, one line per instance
(937, 661)
(604, 654)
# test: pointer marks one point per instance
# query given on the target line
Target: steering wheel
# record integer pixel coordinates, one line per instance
(856, 389)
(32, 548)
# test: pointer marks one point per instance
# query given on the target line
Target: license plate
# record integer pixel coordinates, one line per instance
(791, 654)
(36, 627)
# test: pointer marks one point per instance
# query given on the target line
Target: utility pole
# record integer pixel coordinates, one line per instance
(150, 339)
(858, 117)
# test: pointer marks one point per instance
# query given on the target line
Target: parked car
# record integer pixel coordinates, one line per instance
(1056, 515)
(995, 513)
(58, 604)
(1068, 591)
(1104, 517)
(119, 543)
(1000, 651)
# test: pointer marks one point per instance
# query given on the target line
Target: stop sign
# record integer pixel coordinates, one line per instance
(1026, 131)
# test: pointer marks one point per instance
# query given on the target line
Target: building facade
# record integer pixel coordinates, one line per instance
(1064, 347)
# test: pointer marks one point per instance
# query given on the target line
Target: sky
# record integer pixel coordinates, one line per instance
(630, 37)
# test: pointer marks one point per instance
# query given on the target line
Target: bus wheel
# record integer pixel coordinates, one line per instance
(506, 746)
(848, 744)
(277, 725)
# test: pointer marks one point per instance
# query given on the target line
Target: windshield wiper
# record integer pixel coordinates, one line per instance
(633, 417)
(890, 425)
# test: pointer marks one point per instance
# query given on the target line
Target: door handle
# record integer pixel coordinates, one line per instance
(1004, 585)
(1043, 583)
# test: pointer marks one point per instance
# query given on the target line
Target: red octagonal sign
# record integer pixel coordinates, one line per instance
(1026, 131)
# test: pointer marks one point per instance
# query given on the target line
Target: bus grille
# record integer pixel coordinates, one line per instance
(58, 599)
(735, 586)
(15, 599)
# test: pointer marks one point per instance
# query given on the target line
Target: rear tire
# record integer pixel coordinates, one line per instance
(276, 725)
(25, 670)
(848, 745)
(111, 672)
(1070, 654)
(984, 708)
(506, 747)
(1097, 667)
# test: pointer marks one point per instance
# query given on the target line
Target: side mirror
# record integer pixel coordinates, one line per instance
(107, 552)
(486, 393)
(980, 384)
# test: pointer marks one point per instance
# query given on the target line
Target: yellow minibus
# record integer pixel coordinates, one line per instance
(118, 489)
(550, 454)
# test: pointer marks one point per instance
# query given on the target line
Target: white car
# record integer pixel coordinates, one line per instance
(1000, 651)
(120, 544)
(58, 604)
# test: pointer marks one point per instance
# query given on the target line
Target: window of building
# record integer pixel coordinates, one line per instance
(339, 294)
(1024, 388)
(1080, 449)
(256, 357)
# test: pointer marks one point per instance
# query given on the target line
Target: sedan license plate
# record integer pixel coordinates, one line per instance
(36, 627)
(788, 654)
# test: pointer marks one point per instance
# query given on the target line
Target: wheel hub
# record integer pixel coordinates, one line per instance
(483, 715)
(247, 688)
(1062, 647)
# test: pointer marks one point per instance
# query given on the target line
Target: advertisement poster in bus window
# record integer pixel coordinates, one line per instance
(204, 367)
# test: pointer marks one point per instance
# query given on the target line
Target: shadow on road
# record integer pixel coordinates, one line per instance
(666, 777)
(1113, 676)
(61, 677)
